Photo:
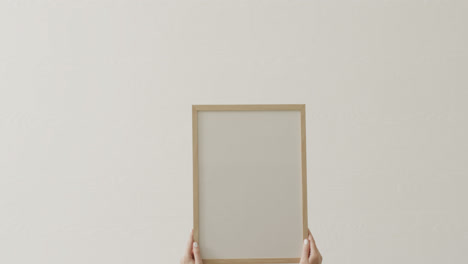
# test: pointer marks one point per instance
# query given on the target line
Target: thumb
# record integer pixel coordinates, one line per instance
(305, 251)
(196, 253)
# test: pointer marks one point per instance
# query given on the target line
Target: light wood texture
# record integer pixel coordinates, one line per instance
(195, 173)
(246, 261)
(265, 107)
(304, 174)
(196, 188)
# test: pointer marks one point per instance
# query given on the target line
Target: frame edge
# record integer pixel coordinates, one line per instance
(195, 173)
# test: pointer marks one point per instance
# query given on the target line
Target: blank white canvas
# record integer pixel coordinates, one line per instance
(250, 203)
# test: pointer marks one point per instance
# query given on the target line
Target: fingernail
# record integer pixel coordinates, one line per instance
(195, 244)
(306, 241)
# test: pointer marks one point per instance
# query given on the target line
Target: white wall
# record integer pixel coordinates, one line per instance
(95, 121)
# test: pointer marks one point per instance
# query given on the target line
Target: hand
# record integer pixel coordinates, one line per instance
(310, 252)
(192, 252)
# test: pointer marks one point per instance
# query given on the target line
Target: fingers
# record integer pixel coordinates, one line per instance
(305, 251)
(188, 250)
(313, 246)
(196, 253)
(314, 252)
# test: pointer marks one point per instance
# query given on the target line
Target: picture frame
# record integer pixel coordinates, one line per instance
(221, 129)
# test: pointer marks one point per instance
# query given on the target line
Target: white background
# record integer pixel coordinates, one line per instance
(95, 121)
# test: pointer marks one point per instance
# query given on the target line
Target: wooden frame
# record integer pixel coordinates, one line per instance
(273, 107)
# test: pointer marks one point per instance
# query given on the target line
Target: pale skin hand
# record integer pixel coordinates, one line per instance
(192, 252)
(310, 252)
